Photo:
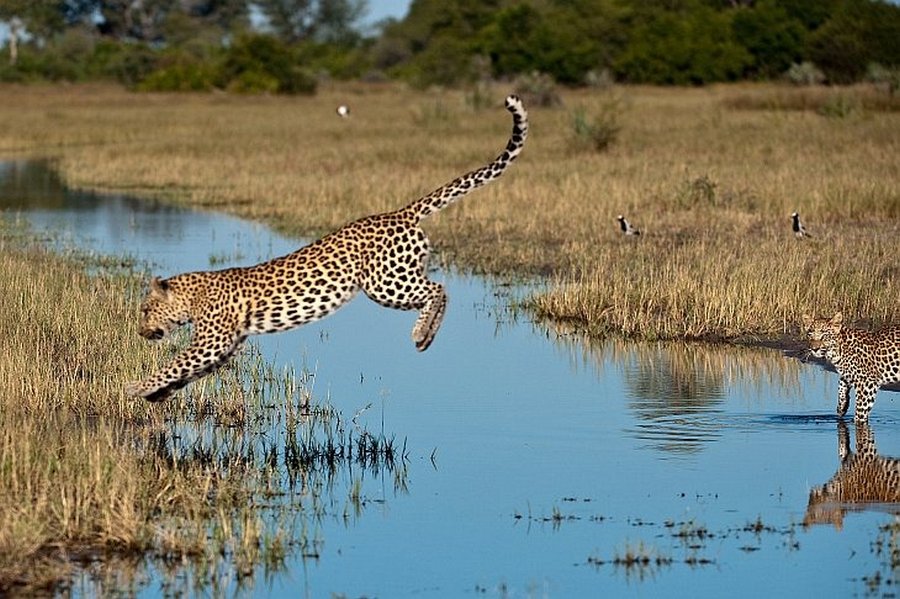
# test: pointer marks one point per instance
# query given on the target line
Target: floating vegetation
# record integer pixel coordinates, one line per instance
(886, 548)
(636, 560)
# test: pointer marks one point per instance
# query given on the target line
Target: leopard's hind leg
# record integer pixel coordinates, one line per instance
(431, 315)
(402, 283)
(418, 293)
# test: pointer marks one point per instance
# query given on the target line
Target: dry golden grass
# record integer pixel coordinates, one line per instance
(710, 174)
(76, 469)
(88, 474)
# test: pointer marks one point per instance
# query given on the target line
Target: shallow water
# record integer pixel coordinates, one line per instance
(537, 460)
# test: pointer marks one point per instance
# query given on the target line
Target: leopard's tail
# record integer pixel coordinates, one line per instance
(447, 194)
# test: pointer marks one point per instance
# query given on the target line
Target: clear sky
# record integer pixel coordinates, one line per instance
(381, 9)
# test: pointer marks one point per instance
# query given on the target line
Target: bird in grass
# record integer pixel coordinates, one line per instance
(626, 226)
(343, 111)
(799, 230)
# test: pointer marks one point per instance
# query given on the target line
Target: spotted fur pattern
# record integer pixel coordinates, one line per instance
(864, 479)
(865, 360)
(384, 255)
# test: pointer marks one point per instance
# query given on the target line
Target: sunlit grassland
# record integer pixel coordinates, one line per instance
(711, 175)
(88, 475)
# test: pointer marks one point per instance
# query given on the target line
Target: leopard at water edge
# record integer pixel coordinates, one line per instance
(866, 360)
(384, 255)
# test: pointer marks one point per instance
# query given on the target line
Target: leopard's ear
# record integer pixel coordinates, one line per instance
(807, 320)
(158, 286)
(837, 319)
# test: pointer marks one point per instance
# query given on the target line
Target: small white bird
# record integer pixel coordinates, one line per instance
(343, 111)
(626, 226)
(799, 230)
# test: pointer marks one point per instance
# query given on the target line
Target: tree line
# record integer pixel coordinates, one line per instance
(289, 45)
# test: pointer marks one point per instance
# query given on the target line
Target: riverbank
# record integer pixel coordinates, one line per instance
(710, 175)
(92, 477)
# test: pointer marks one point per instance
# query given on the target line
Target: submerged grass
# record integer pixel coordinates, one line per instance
(711, 175)
(88, 475)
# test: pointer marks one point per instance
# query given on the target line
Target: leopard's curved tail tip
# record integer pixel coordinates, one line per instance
(516, 142)
(447, 194)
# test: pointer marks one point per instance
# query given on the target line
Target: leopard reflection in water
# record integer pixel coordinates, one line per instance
(864, 480)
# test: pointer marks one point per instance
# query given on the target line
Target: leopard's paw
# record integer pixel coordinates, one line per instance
(133, 389)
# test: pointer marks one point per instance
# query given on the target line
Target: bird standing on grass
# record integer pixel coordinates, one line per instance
(799, 230)
(626, 226)
(343, 111)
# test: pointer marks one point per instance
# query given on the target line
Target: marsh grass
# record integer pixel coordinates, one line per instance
(206, 480)
(711, 174)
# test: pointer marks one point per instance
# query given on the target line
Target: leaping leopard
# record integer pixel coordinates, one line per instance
(384, 255)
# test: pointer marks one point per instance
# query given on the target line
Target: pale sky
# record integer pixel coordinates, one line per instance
(381, 9)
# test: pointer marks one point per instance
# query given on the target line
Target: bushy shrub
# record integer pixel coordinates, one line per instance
(254, 62)
(125, 62)
(481, 96)
(601, 79)
(253, 82)
(884, 79)
(805, 73)
(180, 77)
(537, 89)
(599, 130)
(446, 61)
(697, 192)
(840, 106)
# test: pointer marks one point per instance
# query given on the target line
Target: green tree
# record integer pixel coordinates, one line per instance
(691, 45)
(337, 21)
(263, 63)
(509, 40)
(331, 21)
(291, 20)
(437, 40)
(859, 33)
(774, 38)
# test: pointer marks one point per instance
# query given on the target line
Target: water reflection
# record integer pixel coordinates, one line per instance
(113, 224)
(677, 391)
(30, 185)
(865, 480)
(36, 185)
(673, 394)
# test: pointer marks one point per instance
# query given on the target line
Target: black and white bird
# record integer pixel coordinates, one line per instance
(343, 111)
(626, 226)
(799, 230)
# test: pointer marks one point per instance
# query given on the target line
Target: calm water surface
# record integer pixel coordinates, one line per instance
(535, 459)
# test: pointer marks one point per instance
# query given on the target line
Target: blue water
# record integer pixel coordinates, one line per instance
(535, 458)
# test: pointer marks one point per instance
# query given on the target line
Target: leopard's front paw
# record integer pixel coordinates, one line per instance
(133, 389)
(137, 389)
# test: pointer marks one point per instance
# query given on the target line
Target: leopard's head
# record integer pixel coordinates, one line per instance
(823, 334)
(162, 310)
